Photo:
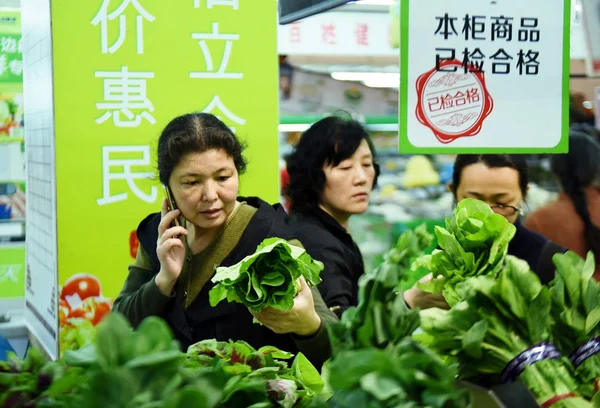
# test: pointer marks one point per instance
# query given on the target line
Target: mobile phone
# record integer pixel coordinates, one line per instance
(171, 205)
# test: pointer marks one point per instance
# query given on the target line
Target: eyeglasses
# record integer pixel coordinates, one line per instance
(506, 210)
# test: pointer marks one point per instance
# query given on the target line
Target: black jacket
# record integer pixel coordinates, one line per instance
(536, 250)
(327, 241)
(225, 321)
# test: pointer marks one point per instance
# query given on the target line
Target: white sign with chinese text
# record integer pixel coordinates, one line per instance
(484, 77)
(338, 34)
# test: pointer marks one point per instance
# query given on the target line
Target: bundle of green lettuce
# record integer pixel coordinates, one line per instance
(382, 316)
(298, 385)
(474, 243)
(402, 375)
(267, 278)
(576, 314)
(502, 331)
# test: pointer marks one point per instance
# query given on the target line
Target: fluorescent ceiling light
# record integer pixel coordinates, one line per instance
(377, 2)
(383, 83)
(366, 76)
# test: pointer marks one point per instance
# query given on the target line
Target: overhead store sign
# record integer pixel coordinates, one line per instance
(339, 34)
(484, 77)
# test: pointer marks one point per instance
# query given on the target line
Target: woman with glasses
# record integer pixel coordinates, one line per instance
(502, 181)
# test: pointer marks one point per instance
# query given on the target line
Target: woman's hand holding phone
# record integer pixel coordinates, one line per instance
(170, 249)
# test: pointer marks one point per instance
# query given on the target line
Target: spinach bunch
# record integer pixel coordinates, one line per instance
(404, 375)
(576, 315)
(498, 321)
(269, 277)
(474, 243)
(382, 316)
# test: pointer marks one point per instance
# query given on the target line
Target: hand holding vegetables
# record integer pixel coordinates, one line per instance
(415, 297)
(269, 277)
(474, 243)
(302, 319)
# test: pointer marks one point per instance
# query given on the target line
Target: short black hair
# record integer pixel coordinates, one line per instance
(514, 161)
(196, 133)
(327, 142)
(576, 170)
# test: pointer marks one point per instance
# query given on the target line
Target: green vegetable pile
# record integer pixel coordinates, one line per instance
(34, 383)
(402, 375)
(375, 363)
(382, 316)
(146, 369)
(295, 386)
(576, 313)
(500, 319)
(267, 278)
(474, 243)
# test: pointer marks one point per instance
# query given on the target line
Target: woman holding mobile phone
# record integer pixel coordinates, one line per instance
(200, 160)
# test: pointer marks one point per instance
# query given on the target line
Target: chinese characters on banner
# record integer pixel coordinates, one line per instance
(125, 100)
(146, 62)
(338, 33)
(486, 77)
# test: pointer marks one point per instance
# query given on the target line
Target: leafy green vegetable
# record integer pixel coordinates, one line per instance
(35, 382)
(406, 375)
(382, 316)
(474, 243)
(498, 320)
(295, 386)
(576, 313)
(408, 247)
(375, 363)
(269, 277)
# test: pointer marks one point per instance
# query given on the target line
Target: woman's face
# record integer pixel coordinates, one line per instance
(498, 187)
(349, 184)
(205, 187)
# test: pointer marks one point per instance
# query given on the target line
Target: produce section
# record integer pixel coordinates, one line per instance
(504, 332)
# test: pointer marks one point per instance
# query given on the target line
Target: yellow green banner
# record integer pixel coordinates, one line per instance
(122, 70)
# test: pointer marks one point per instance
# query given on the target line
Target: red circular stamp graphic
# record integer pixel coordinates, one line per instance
(453, 104)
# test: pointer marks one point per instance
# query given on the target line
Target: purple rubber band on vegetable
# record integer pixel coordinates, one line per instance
(542, 351)
(585, 351)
